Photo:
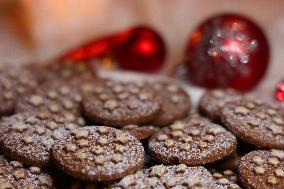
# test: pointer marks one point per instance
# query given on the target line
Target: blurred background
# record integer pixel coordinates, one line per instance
(39, 31)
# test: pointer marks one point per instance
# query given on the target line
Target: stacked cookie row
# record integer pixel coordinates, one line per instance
(259, 128)
(39, 105)
(149, 139)
(43, 104)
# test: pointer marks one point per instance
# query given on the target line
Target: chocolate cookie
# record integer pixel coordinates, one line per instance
(226, 178)
(255, 122)
(262, 169)
(175, 102)
(6, 122)
(14, 174)
(162, 177)
(28, 138)
(213, 101)
(140, 132)
(69, 71)
(194, 143)
(55, 98)
(14, 82)
(119, 103)
(98, 153)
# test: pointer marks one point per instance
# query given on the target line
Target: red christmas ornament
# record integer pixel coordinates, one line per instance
(139, 49)
(94, 49)
(227, 51)
(142, 50)
(279, 92)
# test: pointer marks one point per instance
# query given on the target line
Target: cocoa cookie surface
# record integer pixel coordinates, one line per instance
(262, 169)
(98, 153)
(175, 102)
(56, 98)
(176, 176)
(118, 103)
(29, 137)
(6, 122)
(14, 174)
(213, 101)
(140, 132)
(226, 178)
(14, 82)
(255, 122)
(194, 143)
(70, 71)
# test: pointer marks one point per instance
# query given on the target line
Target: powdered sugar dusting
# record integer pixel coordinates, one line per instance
(267, 173)
(13, 174)
(177, 176)
(255, 122)
(138, 106)
(199, 142)
(29, 137)
(109, 155)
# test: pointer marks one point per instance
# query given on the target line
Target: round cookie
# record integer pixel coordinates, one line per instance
(162, 177)
(98, 153)
(213, 101)
(175, 102)
(14, 82)
(120, 103)
(194, 143)
(28, 138)
(55, 98)
(226, 178)
(14, 175)
(262, 169)
(255, 122)
(140, 132)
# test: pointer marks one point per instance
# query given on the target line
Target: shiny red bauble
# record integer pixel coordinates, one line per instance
(94, 49)
(142, 50)
(279, 92)
(138, 49)
(227, 51)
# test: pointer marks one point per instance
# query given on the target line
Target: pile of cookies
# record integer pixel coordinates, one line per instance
(64, 127)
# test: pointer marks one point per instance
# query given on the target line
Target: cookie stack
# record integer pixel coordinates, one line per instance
(259, 128)
(64, 127)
